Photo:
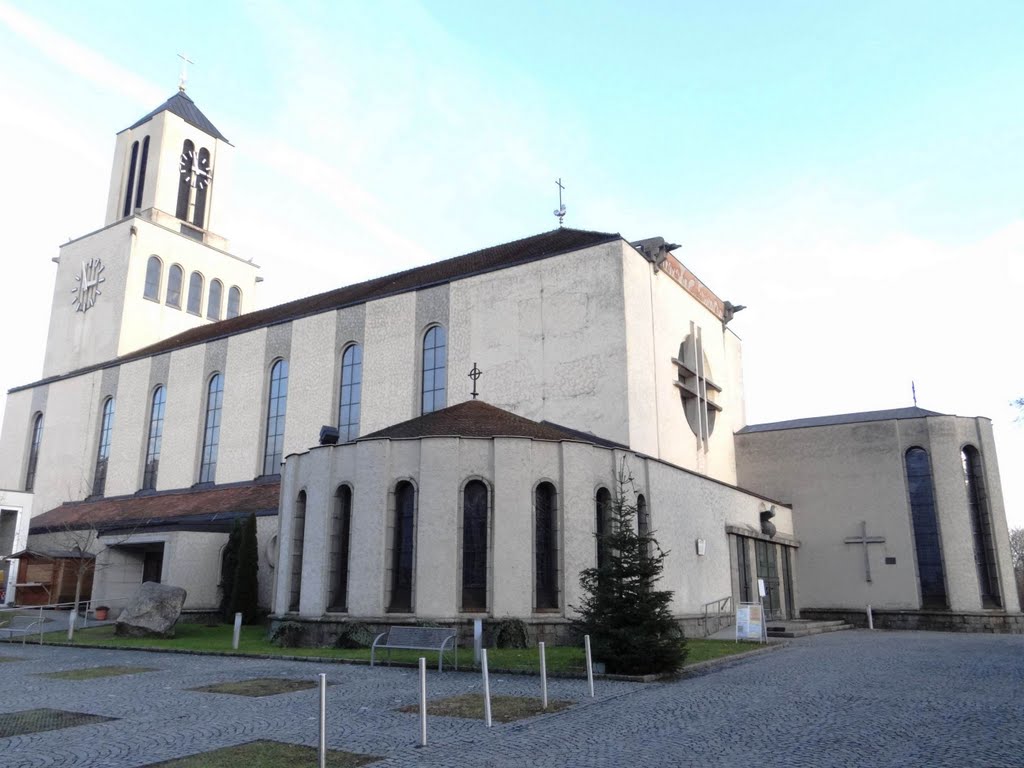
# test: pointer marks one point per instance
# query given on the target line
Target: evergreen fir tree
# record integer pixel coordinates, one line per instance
(245, 595)
(229, 565)
(629, 622)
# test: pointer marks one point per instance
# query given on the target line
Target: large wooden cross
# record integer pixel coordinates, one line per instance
(865, 540)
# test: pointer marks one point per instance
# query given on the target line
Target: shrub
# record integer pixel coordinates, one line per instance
(354, 635)
(288, 635)
(245, 589)
(511, 633)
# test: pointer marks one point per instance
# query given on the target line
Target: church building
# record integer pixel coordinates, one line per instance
(444, 443)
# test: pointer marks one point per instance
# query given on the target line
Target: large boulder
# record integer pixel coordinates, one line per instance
(153, 612)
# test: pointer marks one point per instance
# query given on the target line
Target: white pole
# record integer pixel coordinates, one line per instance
(71, 625)
(478, 639)
(238, 631)
(487, 687)
(423, 701)
(590, 665)
(323, 706)
(871, 619)
(543, 677)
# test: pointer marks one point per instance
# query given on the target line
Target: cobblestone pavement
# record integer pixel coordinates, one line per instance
(846, 699)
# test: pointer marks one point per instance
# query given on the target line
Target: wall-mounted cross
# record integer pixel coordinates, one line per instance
(865, 540)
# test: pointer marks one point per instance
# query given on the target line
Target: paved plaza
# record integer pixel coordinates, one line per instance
(846, 699)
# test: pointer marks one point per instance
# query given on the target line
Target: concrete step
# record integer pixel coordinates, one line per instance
(801, 628)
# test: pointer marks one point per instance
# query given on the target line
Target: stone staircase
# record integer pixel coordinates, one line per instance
(804, 628)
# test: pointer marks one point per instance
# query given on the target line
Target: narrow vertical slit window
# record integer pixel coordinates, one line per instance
(211, 433)
(298, 538)
(341, 526)
(402, 549)
(545, 547)
(130, 190)
(602, 512)
(99, 482)
(435, 373)
(153, 270)
(474, 546)
(33, 452)
(277, 404)
(156, 436)
(643, 525)
(195, 293)
(185, 180)
(213, 304)
(351, 392)
(981, 528)
(743, 569)
(142, 172)
(175, 276)
(201, 183)
(234, 302)
(927, 545)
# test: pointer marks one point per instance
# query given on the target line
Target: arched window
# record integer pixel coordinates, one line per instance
(201, 184)
(341, 526)
(142, 172)
(402, 544)
(211, 434)
(545, 538)
(435, 375)
(602, 513)
(234, 302)
(153, 270)
(185, 180)
(213, 305)
(981, 527)
(195, 293)
(174, 279)
(474, 546)
(99, 481)
(351, 392)
(277, 403)
(156, 434)
(33, 452)
(298, 536)
(927, 545)
(129, 191)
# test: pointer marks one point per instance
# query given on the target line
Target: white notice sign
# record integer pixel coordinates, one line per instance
(749, 621)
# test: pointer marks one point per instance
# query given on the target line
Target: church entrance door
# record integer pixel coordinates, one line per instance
(768, 570)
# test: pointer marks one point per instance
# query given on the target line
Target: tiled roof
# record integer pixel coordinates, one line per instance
(841, 418)
(165, 507)
(181, 105)
(475, 418)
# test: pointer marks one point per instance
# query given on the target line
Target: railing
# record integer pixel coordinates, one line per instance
(722, 610)
(51, 614)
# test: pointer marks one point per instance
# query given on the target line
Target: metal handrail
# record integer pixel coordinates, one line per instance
(721, 609)
(71, 606)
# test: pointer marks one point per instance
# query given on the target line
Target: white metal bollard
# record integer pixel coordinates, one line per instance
(323, 707)
(487, 687)
(423, 701)
(478, 639)
(590, 665)
(71, 625)
(543, 677)
(238, 631)
(871, 619)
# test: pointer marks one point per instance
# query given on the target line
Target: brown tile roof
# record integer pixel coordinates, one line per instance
(211, 505)
(534, 248)
(475, 418)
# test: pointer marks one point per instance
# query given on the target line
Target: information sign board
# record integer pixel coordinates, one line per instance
(750, 622)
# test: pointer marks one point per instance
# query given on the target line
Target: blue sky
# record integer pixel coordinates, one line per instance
(850, 171)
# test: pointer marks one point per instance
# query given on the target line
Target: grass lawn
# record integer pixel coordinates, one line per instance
(258, 687)
(38, 720)
(504, 709)
(91, 673)
(267, 754)
(217, 639)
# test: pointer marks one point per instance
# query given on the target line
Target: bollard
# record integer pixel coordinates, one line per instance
(323, 706)
(871, 619)
(478, 639)
(71, 625)
(487, 687)
(543, 677)
(423, 701)
(590, 665)
(238, 631)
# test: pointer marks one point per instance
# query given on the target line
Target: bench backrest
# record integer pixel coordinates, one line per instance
(419, 637)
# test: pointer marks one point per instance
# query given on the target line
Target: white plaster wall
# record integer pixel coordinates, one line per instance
(389, 359)
(266, 538)
(311, 374)
(184, 414)
(192, 561)
(243, 420)
(130, 436)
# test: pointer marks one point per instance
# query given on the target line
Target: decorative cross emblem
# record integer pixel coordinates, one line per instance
(560, 213)
(697, 390)
(183, 75)
(475, 374)
(865, 540)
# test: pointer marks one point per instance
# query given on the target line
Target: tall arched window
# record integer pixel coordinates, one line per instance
(211, 434)
(402, 549)
(33, 452)
(174, 280)
(298, 537)
(435, 374)
(277, 403)
(474, 546)
(130, 190)
(351, 392)
(341, 526)
(202, 182)
(927, 544)
(185, 180)
(142, 172)
(981, 527)
(195, 293)
(545, 544)
(99, 481)
(153, 270)
(234, 302)
(156, 434)
(213, 305)
(602, 511)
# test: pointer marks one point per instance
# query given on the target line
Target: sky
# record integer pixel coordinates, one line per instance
(851, 172)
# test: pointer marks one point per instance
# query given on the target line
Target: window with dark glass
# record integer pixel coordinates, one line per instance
(643, 523)
(33, 452)
(545, 547)
(435, 373)
(131, 180)
(930, 570)
(981, 528)
(156, 435)
(743, 569)
(174, 279)
(768, 571)
(202, 182)
(474, 546)
(213, 305)
(211, 433)
(195, 293)
(184, 180)
(277, 404)
(351, 392)
(602, 512)
(153, 270)
(787, 580)
(402, 549)
(341, 527)
(298, 538)
(234, 302)
(142, 172)
(99, 481)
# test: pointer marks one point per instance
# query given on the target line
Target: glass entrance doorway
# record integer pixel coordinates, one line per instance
(768, 570)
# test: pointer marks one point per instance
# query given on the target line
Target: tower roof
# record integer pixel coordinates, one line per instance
(181, 105)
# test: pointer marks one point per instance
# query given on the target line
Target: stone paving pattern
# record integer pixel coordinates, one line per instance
(846, 699)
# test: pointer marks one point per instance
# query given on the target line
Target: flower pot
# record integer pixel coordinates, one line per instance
(101, 613)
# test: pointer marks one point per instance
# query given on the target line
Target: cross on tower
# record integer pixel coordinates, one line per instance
(560, 212)
(865, 540)
(475, 374)
(183, 74)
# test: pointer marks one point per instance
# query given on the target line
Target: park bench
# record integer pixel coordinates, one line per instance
(22, 624)
(417, 639)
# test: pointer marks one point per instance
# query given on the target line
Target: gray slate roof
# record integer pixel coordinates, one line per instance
(181, 105)
(841, 418)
